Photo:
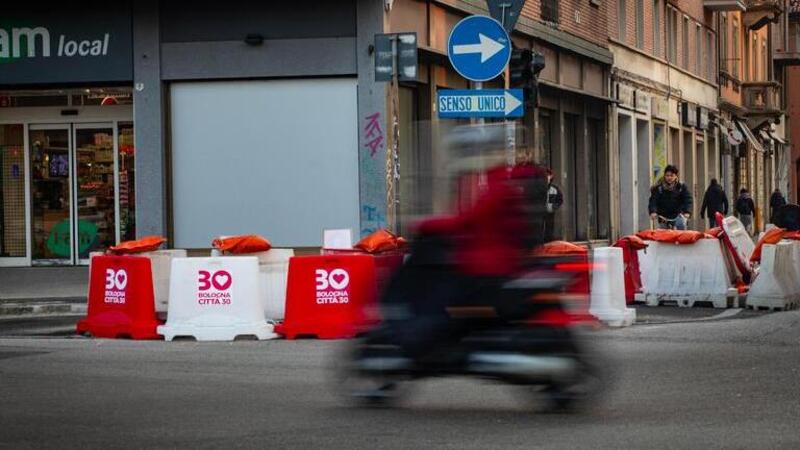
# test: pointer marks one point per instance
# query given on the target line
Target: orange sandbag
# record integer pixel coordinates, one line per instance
(380, 241)
(681, 237)
(792, 235)
(145, 244)
(636, 242)
(772, 236)
(714, 232)
(560, 248)
(240, 245)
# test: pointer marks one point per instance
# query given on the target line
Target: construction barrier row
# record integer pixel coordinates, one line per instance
(335, 294)
(221, 298)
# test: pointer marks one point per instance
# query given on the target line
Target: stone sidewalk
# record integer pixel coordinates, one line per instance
(43, 290)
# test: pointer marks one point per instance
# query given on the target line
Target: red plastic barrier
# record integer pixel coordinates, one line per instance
(121, 301)
(330, 296)
(630, 257)
(386, 263)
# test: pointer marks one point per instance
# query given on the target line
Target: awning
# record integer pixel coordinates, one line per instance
(750, 136)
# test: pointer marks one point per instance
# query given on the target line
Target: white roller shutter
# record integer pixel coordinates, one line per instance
(277, 158)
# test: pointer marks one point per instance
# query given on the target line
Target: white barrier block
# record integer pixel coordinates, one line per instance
(687, 274)
(739, 238)
(648, 258)
(796, 266)
(273, 274)
(215, 299)
(608, 288)
(161, 262)
(774, 286)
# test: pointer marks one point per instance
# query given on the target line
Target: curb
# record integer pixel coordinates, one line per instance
(41, 307)
(37, 300)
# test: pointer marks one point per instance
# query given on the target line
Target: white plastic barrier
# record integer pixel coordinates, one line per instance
(273, 273)
(740, 240)
(608, 288)
(796, 262)
(775, 285)
(687, 274)
(215, 299)
(161, 262)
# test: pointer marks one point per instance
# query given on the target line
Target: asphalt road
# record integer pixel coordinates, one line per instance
(718, 384)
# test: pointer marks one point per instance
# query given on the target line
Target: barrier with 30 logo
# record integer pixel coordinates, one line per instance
(215, 299)
(330, 297)
(121, 301)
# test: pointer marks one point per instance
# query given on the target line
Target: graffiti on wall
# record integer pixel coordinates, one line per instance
(371, 219)
(373, 134)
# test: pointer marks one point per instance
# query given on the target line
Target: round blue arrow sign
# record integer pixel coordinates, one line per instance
(479, 48)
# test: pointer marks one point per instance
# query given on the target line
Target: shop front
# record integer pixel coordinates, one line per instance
(66, 134)
(66, 183)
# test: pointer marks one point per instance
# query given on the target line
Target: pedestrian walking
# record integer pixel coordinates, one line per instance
(670, 201)
(554, 201)
(776, 200)
(714, 201)
(745, 209)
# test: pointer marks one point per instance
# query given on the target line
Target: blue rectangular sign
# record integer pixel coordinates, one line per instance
(477, 103)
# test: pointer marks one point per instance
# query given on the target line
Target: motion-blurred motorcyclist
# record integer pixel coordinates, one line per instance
(464, 259)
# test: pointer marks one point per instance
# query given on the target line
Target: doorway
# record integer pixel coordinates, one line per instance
(73, 191)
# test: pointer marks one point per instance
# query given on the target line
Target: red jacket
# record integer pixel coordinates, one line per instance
(490, 236)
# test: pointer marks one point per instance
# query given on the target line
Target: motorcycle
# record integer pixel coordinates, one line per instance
(517, 331)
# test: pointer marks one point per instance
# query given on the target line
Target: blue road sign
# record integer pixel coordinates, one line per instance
(479, 48)
(459, 104)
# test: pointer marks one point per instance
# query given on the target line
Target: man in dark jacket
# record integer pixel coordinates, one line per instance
(715, 201)
(776, 200)
(670, 201)
(554, 201)
(746, 209)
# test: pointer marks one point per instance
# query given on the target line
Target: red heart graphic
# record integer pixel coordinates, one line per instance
(222, 280)
(121, 277)
(338, 278)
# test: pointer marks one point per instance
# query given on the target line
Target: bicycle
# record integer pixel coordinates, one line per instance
(670, 222)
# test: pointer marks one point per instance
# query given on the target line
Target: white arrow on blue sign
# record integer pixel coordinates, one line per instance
(479, 48)
(466, 103)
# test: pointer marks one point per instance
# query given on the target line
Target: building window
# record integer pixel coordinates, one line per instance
(550, 10)
(640, 23)
(723, 41)
(657, 28)
(796, 28)
(754, 61)
(685, 43)
(672, 35)
(736, 52)
(765, 59)
(622, 19)
(698, 43)
(710, 56)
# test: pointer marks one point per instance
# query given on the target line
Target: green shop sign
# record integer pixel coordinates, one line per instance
(59, 243)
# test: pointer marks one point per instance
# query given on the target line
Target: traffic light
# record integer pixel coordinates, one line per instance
(523, 73)
(520, 69)
(537, 65)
